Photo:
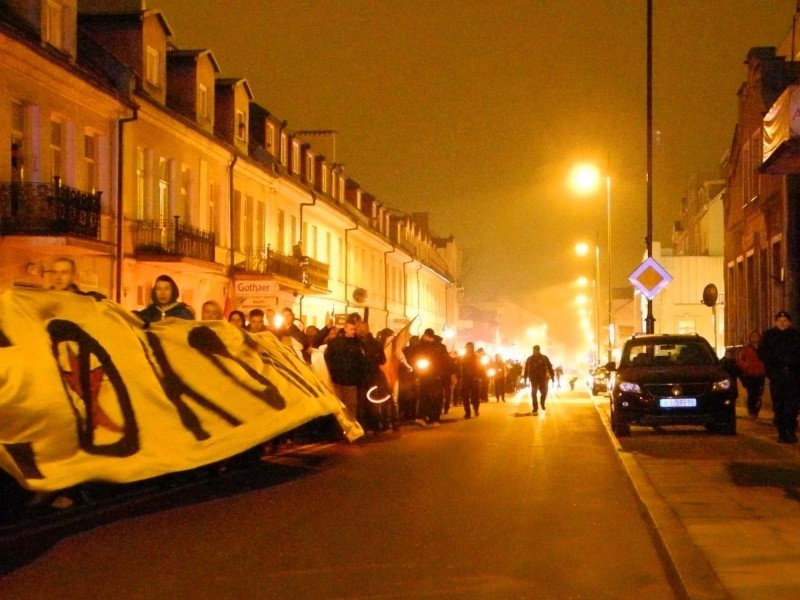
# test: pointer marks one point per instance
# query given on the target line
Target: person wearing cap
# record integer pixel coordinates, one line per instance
(780, 352)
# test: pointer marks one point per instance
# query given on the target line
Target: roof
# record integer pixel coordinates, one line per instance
(195, 54)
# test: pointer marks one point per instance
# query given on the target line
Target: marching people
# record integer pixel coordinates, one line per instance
(752, 373)
(255, 321)
(483, 380)
(408, 394)
(469, 380)
(237, 319)
(779, 350)
(63, 274)
(431, 363)
(346, 358)
(164, 302)
(538, 371)
(211, 311)
(499, 379)
(370, 415)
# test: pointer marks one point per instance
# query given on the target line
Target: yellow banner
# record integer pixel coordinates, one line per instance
(87, 394)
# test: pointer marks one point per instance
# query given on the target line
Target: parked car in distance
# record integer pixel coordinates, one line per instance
(671, 379)
(600, 377)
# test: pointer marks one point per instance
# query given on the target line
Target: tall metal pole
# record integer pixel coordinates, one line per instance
(650, 319)
(608, 258)
(597, 296)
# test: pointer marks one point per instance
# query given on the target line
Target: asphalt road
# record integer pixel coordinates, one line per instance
(506, 505)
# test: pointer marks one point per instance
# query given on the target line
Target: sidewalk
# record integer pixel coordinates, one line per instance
(730, 527)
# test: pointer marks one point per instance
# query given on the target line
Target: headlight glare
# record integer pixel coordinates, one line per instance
(630, 387)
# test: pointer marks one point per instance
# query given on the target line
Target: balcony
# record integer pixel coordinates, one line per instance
(304, 270)
(172, 240)
(48, 209)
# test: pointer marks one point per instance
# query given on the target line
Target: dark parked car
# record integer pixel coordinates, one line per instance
(670, 379)
(600, 381)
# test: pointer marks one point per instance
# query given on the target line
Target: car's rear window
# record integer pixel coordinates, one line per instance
(665, 354)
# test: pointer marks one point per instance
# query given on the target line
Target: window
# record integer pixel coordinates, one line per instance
(295, 157)
(162, 210)
(281, 232)
(153, 67)
(324, 176)
(213, 213)
(90, 161)
(241, 126)
(293, 228)
(310, 167)
(260, 225)
(284, 149)
(328, 248)
(271, 148)
(237, 220)
(56, 149)
(311, 246)
(17, 150)
(202, 101)
(53, 24)
(248, 224)
(186, 194)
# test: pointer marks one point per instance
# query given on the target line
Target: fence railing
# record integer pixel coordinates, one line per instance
(48, 209)
(172, 238)
(303, 269)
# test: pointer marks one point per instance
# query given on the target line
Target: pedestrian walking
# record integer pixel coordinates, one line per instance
(779, 350)
(346, 358)
(469, 379)
(752, 373)
(499, 379)
(538, 371)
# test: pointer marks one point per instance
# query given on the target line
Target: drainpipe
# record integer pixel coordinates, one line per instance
(120, 216)
(346, 265)
(386, 283)
(302, 204)
(230, 211)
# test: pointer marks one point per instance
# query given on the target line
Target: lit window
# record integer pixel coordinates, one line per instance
(90, 160)
(56, 152)
(202, 100)
(53, 24)
(295, 157)
(241, 125)
(284, 149)
(271, 139)
(163, 189)
(324, 176)
(153, 66)
(140, 182)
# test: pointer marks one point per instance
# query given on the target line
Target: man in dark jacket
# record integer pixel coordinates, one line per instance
(346, 358)
(780, 352)
(164, 297)
(469, 373)
(433, 366)
(539, 371)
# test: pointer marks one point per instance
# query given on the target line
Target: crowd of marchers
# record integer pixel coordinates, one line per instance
(382, 381)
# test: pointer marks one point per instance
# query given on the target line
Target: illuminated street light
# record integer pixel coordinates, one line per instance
(582, 282)
(585, 179)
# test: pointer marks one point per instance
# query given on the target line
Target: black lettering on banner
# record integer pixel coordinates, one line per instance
(292, 376)
(207, 342)
(85, 382)
(4, 341)
(175, 389)
(22, 454)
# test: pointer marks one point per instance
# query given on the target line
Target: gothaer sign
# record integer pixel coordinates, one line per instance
(650, 278)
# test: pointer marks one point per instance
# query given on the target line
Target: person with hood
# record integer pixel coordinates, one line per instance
(779, 350)
(164, 303)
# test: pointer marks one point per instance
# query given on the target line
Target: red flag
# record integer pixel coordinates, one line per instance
(393, 349)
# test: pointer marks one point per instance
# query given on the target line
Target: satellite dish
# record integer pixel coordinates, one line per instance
(710, 295)
(359, 295)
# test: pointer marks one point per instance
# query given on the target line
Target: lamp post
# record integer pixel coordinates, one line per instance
(585, 179)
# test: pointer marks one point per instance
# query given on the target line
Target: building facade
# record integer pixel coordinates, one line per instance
(163, 165)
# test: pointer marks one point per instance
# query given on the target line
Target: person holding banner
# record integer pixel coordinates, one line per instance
(164, 303)
(63, 273)
(346, 358)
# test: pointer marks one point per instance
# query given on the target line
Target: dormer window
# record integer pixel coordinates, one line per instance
(295, 157)
(324, 176)
(271, 139)
(53, 24)
(153, 67)
(241, 126)
(310, 167)
(284, 149)
(202, 100)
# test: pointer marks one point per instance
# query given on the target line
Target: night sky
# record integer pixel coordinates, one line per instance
(475, 111)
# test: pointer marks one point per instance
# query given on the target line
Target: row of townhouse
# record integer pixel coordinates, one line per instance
(137, 158)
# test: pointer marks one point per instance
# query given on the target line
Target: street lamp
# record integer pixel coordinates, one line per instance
(585, 180)
(582, 249)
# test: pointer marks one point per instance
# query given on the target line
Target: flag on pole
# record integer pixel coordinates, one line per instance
(394, 350)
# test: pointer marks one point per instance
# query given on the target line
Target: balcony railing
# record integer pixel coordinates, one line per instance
(48, 209)
(303, 270)
(173, 239)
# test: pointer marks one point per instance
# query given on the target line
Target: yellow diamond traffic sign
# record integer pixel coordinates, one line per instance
(650, 278)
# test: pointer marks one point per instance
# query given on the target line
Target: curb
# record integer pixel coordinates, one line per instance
(688, 569)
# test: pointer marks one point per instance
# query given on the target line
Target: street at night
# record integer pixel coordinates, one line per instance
(505, 505)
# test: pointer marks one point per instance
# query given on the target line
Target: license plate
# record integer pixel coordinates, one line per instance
(677, 402)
